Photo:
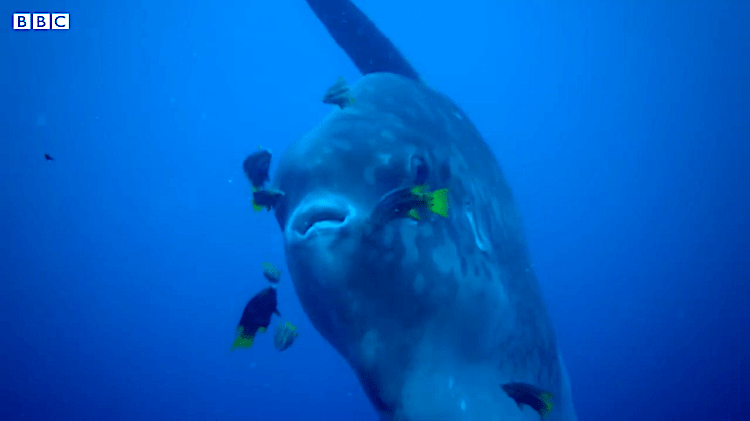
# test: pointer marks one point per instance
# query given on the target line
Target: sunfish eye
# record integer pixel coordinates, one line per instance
(419, 169)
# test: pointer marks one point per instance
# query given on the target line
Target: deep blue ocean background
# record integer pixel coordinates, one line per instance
(125, 264)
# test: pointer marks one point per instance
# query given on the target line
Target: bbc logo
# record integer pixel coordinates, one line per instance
(42, 21)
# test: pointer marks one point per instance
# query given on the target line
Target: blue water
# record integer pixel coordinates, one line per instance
(125, 264)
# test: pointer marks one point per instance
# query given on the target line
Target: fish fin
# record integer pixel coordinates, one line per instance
(439, 202)
(414, 214)
(418, 190)
(546, 399)
(538, 399)
(242, 341)
(358, 30)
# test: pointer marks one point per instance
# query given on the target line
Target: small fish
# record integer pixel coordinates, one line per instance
(271, 273)
(338, 94)
(256, 167)
(285, 336)
(408, 202)
(48, 158)
(266, 198)
(526, 394)
(256, 317)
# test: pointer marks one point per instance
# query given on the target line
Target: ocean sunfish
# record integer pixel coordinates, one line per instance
(433, 314)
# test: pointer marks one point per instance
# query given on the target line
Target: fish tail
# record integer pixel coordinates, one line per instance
(546, 399)
(242, 342)
(439, 202)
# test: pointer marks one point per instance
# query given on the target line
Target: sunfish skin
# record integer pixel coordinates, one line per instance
(432, 315)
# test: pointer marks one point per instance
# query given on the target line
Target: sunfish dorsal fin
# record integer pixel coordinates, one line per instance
(369, 49)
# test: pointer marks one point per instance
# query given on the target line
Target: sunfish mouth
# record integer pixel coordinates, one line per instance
(318, 216)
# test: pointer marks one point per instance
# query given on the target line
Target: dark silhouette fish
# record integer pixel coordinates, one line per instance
(526, 394)
(256, 167)
(256, 317)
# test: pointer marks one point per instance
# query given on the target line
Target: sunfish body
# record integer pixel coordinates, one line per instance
(434, 314)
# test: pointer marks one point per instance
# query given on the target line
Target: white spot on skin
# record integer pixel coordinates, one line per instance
(445, 257)
(380, 160)
(478, 237)
(463, 405)
(450, 382)
(458, 116)
(387, 134)
(384, 158)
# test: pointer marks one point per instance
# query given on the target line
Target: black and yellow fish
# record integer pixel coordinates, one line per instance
(256, 317)
(409, 203)
(285, 336)
(338, 94)
(526, 394)
(266, 198)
